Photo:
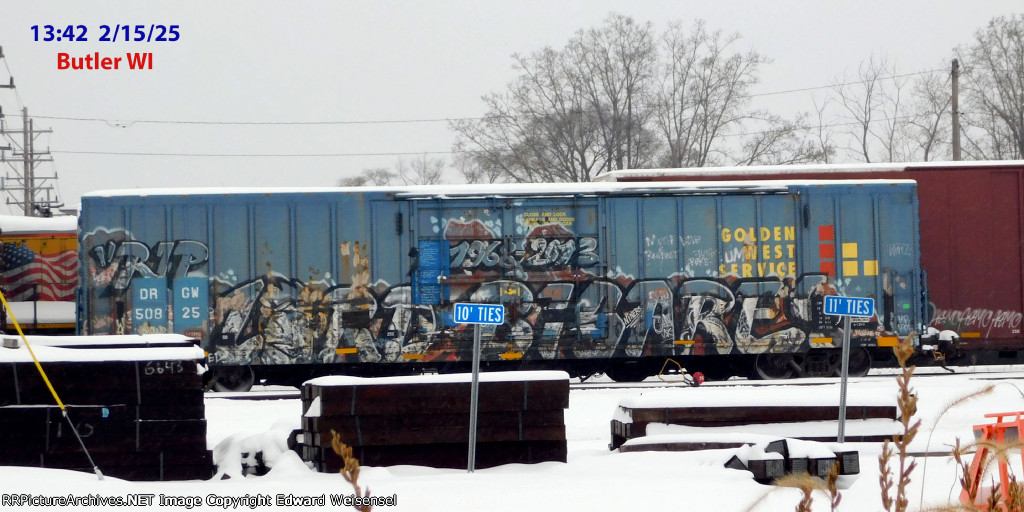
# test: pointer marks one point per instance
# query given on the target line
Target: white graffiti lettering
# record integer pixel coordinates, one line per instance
(900, 250)
(977, 318)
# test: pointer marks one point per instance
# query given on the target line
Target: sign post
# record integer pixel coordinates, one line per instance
(846, 307)
(477, 314)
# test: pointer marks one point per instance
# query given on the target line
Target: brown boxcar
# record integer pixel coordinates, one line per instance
(972, 238)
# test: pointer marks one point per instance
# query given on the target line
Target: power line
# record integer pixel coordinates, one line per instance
(805, 89)
(414, 153)
(121, 123)
(124, 123)
(256, 155)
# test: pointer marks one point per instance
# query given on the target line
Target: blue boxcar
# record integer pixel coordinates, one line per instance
(611, 277)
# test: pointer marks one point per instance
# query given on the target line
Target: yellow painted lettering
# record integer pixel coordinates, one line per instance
(792, 250)
(726, 235)
(766, 234)
(778, 252)
(747, 268)
(790, 233)
(749, 252)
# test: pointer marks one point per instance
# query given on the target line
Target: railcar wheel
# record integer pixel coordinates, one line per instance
(773, 366)
(233, 378)
(860, 362)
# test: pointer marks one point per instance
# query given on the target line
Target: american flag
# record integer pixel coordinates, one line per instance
(23, 273)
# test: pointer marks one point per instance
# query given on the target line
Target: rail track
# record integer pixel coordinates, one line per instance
(678, 381)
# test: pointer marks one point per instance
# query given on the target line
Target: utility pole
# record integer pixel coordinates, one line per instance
(25, 187)
(956, 110)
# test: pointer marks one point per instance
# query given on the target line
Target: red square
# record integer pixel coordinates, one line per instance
(826, 233)
(828, 268)
(827, 251)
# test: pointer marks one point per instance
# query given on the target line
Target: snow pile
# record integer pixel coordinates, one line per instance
(257, 454)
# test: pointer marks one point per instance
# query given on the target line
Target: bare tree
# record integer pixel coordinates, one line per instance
(475, 169)
(620, 96)
(588, 108)
(780, 143)
(379, 176)
(928, 131)
(421, 171)
(861, 102)
(824, 145)
(614, 66)
(994, 90)
(538, 130)
(704, 92)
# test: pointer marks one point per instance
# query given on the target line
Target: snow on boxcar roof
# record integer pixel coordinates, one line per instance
(502, 189)
(102, 348)
(344, 380)
(757, 170)
(15, 224)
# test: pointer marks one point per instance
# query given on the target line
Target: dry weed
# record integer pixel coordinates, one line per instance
(907, 402)
(351, 470)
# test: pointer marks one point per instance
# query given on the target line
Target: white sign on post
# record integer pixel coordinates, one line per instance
(849, 306)
(846, 307)
(488, 314)
(479, 314)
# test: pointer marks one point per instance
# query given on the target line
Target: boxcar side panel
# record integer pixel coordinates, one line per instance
(982, 249)
(369, 278)
(972, 240)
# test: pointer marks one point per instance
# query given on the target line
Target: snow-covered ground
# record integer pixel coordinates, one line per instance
(594, 478)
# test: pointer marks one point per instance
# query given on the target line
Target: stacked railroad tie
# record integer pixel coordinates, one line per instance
(772, 435)
(424, 420)
(136, 402)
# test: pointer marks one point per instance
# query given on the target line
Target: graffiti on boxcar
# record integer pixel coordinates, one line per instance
(754, 315)
(700, 257)
(114, 258)
(556, 305)
(275, 320)
(661, 247)
(977, 318)
(548, 245)
(531, 254)
(900, 249)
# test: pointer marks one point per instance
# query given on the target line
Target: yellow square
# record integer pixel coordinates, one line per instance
(850, 268)
(871, 267)
(850, 250)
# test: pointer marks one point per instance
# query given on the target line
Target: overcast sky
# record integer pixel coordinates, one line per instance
(360, 62)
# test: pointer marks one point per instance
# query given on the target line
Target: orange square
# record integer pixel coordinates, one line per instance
(827, 251)
(828, 268)
(826, 233)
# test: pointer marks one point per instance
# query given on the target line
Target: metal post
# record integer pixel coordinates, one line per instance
(26, 150)
(843, 377)
(474, 398)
